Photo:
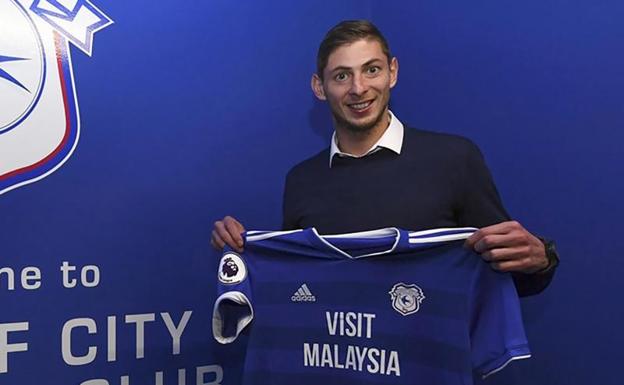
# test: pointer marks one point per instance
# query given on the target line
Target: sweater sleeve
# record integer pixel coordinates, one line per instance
(479, 202)
(289, 221)
(480, 206)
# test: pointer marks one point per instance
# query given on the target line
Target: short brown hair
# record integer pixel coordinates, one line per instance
(347, 32)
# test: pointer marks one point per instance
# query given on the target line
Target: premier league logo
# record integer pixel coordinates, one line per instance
(232, 269)
(39, 118)
(406, 299)
(229, 268)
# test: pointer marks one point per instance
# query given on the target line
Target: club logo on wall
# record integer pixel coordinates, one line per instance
(39, 117)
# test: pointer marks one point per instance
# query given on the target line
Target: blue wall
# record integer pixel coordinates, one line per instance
(190, 111)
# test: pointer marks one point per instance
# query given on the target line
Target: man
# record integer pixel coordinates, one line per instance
(377, 173)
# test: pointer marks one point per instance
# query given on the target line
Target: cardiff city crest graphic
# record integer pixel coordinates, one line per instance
(39, 116)
(406, 299)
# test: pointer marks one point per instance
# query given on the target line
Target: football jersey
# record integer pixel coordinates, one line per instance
(386, 306)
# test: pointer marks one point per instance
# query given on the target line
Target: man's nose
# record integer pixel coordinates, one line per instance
(358, 85)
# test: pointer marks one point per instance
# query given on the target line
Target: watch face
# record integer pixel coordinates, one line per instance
(551, 254)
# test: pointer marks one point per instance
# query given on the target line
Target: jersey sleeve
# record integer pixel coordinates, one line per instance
(233, 310)
(496, 329)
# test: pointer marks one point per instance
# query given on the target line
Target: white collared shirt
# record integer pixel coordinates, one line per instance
(392, 139)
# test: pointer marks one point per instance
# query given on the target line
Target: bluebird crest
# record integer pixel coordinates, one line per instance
(406, 299)
(77, 20)
(39, 114)
(6, 75)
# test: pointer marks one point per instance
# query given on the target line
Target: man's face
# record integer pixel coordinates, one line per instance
(356, 84)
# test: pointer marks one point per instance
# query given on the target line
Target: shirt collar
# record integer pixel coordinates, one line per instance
(392, 139)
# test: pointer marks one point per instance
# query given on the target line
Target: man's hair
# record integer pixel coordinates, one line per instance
(344, 33)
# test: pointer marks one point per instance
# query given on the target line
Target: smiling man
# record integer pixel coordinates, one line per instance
(378, 173)
(356, 80)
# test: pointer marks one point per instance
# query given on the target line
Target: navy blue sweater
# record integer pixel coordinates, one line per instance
(438, 180)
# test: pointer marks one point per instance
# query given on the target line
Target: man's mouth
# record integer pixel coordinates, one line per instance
(360, 106)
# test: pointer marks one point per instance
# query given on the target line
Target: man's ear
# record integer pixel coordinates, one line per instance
(317, 87)
(394, 71)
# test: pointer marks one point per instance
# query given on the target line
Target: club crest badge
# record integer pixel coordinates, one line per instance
(232, 269)
(406, 299)
(39, 117)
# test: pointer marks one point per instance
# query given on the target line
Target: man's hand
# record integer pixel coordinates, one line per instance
(228, 231)
(509, 247)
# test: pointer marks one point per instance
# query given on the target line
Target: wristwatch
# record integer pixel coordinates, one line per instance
(551, 255)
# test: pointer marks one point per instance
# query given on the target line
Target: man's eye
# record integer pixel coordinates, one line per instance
(373, 70)
(341, 77)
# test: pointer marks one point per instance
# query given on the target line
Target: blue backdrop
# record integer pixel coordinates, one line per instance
(190, 111)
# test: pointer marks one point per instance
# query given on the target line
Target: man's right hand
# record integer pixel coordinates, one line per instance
(227, 231)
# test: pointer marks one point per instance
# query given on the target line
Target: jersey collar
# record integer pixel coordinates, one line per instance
(389, 238)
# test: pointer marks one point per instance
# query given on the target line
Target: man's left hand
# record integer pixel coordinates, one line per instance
(509, 247)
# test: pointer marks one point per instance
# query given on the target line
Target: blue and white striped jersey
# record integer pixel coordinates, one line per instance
(378, 307)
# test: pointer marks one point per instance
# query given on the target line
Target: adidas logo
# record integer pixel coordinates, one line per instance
(303, 294)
